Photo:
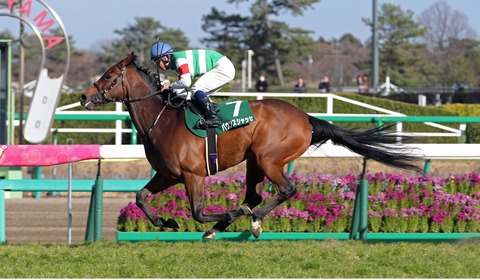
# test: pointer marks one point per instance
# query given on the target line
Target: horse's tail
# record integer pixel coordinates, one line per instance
(374, 143)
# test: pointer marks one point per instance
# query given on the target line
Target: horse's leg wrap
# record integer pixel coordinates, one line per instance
(243, 210)
(246, 210)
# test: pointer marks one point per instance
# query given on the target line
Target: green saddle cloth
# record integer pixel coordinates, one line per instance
(233, 113)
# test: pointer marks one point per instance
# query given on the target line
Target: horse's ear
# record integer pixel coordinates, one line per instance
(131, 57)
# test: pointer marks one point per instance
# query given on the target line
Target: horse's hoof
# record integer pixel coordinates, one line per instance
(256, 228)
(209, 235)
(171, 223)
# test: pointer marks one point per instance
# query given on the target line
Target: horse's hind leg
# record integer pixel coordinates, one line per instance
(285, 190)
(253, 197)
(155, 185)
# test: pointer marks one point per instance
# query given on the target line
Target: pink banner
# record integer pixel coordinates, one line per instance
(45, 155)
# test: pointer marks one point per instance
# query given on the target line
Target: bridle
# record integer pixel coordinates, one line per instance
(103, 92)
(101, 96)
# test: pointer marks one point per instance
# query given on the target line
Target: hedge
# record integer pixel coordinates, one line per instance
(308, 105)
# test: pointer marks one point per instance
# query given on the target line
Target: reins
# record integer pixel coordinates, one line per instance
(105, 99)
(168, 103)
(154, 122)
(140, 98)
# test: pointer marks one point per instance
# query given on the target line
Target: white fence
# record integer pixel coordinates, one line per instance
(429, 151)
(329, 111)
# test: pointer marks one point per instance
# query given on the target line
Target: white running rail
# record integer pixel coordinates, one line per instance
(118, 130)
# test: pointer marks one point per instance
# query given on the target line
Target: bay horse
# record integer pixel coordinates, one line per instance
(280, 134)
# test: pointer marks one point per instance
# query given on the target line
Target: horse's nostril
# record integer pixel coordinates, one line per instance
(83, 98)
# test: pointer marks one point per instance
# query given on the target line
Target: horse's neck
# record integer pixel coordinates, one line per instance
(151, 112)
(144, 113)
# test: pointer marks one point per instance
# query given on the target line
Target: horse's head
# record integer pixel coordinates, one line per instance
(110, 87)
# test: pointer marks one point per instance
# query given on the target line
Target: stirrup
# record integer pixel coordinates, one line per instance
(213, 121)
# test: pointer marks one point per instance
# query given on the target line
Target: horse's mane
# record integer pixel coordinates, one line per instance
(155, 82)
(152, 76)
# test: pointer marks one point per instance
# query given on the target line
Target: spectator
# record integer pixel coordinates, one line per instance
(459, 87)
(365, 84)
(262, 84)
(360, 85)
(324, 85)
(300, 87)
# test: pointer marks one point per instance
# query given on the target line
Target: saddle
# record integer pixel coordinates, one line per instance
(233, 114)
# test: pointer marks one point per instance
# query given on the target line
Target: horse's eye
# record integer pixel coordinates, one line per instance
(107, 76)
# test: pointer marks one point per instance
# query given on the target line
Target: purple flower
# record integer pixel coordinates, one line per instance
(328, 198)
(375, 214)
(232, 196)
(214, 209)
(390, 213)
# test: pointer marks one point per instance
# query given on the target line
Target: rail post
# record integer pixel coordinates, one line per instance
(37, 175)
(90, 218)
(290, 168)
(3, 237)
(133, 135)
(360, 209)
(98, 201)
(356, 214)
(93, 231)
(69, 196)
(426, 167)
(363, 229)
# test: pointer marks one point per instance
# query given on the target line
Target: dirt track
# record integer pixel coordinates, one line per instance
(46, 219)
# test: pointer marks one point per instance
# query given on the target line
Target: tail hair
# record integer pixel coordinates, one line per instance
(376, 143)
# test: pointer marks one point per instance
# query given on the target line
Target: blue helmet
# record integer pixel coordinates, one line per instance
(160, 49)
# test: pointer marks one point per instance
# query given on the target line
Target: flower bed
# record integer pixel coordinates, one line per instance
(324, 203)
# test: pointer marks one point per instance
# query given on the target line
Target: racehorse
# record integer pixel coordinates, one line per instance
(280, 134)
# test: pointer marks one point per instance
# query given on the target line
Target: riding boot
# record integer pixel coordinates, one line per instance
(210, 115)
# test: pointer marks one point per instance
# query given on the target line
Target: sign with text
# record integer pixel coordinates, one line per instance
(42, 108)
(42, 19)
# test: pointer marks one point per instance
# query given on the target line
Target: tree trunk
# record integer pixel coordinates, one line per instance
(278, 64)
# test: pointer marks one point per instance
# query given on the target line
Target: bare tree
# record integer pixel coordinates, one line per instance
(340, 59)
(84, 69)
(445, 24)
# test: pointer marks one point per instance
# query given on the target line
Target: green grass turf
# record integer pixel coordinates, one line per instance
(224, 259)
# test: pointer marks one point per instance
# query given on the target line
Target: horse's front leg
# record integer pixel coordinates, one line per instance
(155, 185)
(195, 186)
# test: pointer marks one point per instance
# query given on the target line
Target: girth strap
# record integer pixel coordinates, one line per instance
(211, 151)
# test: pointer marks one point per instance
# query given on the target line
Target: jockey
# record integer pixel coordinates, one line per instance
(213, 69)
